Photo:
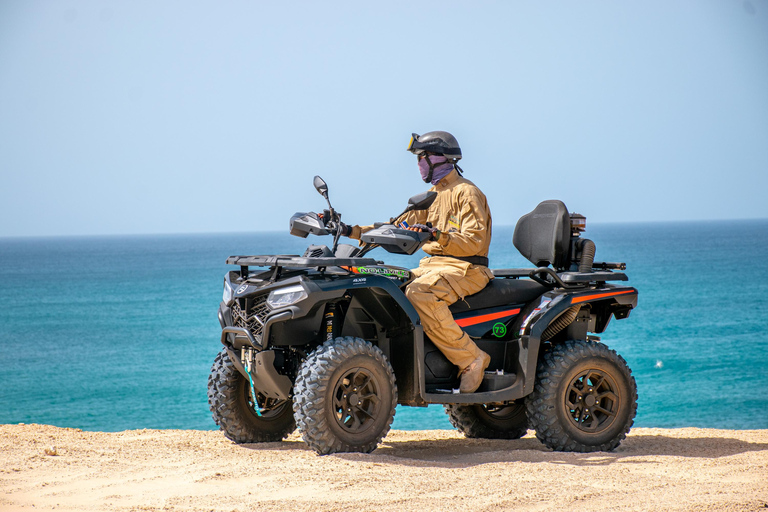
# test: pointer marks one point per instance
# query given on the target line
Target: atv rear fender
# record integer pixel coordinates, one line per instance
(602, 303)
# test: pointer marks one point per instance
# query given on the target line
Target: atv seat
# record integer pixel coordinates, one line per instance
(543, 237)
(500, 292)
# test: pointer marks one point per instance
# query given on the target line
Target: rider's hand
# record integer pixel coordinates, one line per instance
(344, 229)
(433, 232)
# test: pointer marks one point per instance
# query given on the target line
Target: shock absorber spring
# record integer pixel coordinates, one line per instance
(330, 321)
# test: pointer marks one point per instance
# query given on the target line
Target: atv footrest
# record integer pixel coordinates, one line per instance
(493, 381)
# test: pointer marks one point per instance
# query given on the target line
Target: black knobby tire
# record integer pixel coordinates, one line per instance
(344, 397)
(584, 399)
(229, 398)
(487, 421)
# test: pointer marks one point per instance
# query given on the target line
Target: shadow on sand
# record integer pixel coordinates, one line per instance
(459, 453)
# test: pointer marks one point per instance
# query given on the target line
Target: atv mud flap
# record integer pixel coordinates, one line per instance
(266, 380)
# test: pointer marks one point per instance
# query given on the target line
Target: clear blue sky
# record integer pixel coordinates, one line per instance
(168, 117)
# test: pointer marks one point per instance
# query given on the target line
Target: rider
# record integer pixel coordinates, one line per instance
(460, 223)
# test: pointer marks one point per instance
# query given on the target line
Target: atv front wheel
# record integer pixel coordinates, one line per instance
(344, 397)
(584, 399)
(230, 401)
(488, 421)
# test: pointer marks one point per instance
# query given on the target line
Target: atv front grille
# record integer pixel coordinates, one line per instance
(254, 319)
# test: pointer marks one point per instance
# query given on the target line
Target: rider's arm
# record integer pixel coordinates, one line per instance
(410, 218)
(413, 217)
(357, 231)
(471, 237)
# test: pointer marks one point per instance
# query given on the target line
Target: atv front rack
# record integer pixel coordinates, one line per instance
(295, 261)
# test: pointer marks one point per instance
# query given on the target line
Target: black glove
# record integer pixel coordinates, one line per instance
(433, 232)
(344, 229)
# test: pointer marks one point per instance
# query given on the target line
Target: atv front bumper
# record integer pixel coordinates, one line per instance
(264, 375)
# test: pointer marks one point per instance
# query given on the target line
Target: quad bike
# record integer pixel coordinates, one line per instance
(328, 342)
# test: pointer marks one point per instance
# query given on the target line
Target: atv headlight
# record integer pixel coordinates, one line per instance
(229, 293)
(286, 296)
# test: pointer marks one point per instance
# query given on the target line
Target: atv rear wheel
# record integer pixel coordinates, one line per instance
(344, 397)
(584, 400)
(488, 421)
(233, 410)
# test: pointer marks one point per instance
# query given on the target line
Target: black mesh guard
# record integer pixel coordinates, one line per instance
(544, 235)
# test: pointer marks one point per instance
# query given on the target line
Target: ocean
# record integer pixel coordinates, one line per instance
(113, 333)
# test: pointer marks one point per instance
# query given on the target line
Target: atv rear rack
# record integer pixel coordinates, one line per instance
(560, 279)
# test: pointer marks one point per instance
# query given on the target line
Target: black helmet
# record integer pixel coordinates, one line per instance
(441, 143)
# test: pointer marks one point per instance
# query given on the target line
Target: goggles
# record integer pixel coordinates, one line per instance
(414, 146)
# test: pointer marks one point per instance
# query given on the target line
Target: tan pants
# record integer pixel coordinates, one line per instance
(439, 283)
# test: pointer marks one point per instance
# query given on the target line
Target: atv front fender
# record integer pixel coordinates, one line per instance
(265, 377)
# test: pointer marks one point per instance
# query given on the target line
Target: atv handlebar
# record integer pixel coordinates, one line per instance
(387, 235)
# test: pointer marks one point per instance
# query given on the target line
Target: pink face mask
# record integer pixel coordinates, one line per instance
(441, 167)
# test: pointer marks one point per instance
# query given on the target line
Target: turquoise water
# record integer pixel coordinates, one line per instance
(114, 333)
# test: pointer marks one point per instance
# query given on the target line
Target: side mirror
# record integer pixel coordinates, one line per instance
(421, 201)
(418, 202)
(321, 186)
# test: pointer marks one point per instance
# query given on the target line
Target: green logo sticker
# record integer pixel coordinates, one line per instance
(499, 330)
(387, 272)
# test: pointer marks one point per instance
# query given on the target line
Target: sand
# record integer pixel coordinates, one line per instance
(49, 468)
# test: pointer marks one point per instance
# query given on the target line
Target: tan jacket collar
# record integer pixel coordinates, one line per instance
(448, 180)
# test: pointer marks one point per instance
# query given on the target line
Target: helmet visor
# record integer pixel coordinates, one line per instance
(413, 144)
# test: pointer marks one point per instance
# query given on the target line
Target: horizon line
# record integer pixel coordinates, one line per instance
(187, 233)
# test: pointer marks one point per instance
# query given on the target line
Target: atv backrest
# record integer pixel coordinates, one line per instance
(544, 235)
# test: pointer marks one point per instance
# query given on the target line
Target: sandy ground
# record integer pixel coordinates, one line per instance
(50, 468)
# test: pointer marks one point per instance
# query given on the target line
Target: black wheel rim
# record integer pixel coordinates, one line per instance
(592, 401)
(503, 412)
(268, 408)
(356, 400)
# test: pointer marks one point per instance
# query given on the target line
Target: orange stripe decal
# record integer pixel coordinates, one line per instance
(585, 298)
(465, 322)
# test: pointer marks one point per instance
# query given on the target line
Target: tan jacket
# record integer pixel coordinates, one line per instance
(460, 212)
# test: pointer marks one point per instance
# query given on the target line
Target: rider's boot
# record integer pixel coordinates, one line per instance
(472, 375)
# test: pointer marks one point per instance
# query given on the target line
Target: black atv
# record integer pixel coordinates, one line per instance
(328, 342)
